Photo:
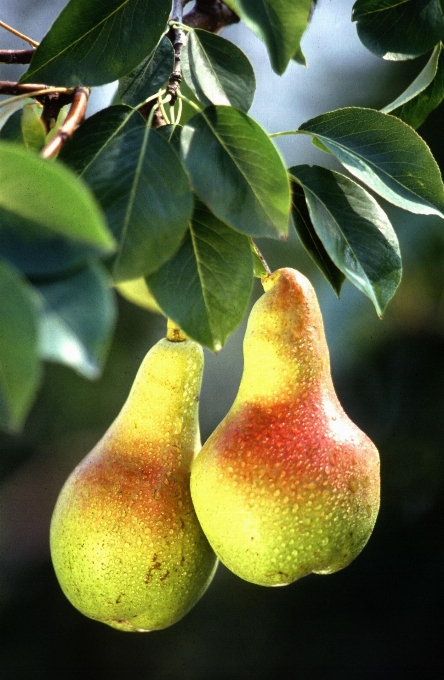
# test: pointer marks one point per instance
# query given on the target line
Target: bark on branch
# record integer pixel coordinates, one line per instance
(211, 15)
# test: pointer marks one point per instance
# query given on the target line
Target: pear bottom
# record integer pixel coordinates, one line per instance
(282, 492)
(126, 544)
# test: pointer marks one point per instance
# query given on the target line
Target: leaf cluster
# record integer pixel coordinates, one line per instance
(168, 214)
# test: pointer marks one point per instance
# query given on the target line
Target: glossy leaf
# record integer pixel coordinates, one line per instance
(141, 184)
(149, 76)
(96, 133)
(279, 23)
(384, 153)
(12, 129)
(19, 363)
(311, 241)
(206, 286)
(399, 29)
(36, 194)
(41, 254)
(76, 320)
(237, 171)
(92, 147)
(424, 94)
(93, 43)
(354, 230)
(217, 71)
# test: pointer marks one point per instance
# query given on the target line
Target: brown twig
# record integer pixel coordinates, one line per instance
(13, 88)
(16, 56)
(211, 15)
(177, 36)
(73, 119)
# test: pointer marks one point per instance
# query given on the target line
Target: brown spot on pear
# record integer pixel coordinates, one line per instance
(287, 484)
(126, 544)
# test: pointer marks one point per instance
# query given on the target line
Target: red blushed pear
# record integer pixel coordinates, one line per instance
(287, 484)
(126, 544)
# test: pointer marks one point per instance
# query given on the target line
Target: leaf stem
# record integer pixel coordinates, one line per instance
(189, 102)
(18, 34)
(261, 257)
(287, 132)
(150, 99)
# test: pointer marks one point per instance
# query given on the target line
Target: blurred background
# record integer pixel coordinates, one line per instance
(380, 617)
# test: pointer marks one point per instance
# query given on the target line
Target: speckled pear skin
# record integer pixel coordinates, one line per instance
(126, 544)
(287, 484)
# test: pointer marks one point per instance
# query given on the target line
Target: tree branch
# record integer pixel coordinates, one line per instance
(176, 35)
(211, 15)
(73, 119)
(16, 56)
(15, 89)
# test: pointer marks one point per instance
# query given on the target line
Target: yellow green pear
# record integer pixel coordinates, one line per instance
(126, 544)
(287, 484)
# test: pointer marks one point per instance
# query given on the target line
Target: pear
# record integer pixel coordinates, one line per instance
(286, 485)
(126, 544)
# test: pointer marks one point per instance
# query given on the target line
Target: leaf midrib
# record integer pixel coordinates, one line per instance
(82, 37)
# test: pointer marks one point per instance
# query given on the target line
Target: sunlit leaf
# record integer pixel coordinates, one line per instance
(384, 153)
(19, 363)
(279, 23)
(206, 286)
(399, 29)
(93, 43)
(217, 71)
(237, 171)
(354, 230)
(310, 240)
(37, 194)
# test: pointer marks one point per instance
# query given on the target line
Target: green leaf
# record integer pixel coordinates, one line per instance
(399, 29)
(354, 230)
(93, 43)
(141, 184)
(36, 194)
(19, 364)
(217, 71)
(421, 82)
(96, 133)
(424, 94)
(310, 240)
(33, 130)
(77, 319)
(12, 129)
(149, 76)
(206, 286)
(237, 171)
(279, 23)
(40, 254)
(384, 153)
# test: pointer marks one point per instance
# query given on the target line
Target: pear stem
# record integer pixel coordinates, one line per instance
(174, 332)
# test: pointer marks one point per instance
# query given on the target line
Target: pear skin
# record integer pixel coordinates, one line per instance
(126, 544)
(287, 484)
